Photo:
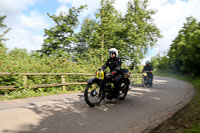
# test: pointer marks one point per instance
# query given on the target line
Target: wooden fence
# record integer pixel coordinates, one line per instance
(63, 83)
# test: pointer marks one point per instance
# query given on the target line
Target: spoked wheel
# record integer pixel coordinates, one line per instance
(144, 84)
(93, 94)
(123, 90)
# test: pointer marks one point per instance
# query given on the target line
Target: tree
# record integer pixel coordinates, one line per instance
(86, 36)
(60, 38)
(140, 33)
(109, 25)
(184, 51)
(4, 32)
(161, 63)
(183, 55)
(101, 34)
(131, 34)
(2, 47)
(106, 26)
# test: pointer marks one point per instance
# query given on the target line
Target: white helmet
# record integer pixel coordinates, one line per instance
(113, 50)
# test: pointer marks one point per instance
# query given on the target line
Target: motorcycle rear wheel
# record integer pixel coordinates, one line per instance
(123, 90)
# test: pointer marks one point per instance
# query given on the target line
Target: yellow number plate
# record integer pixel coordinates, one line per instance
(145, 74)
(100, 75)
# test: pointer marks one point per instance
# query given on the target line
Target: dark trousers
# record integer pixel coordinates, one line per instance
(117, 83)
(150, 75)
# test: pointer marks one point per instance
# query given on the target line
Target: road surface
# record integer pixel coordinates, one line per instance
(141, 111)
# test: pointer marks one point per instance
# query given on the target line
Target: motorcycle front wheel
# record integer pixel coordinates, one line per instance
(144, 84)
(93, 94)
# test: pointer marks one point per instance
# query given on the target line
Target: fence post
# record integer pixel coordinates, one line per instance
(63, 81)
(25, 82)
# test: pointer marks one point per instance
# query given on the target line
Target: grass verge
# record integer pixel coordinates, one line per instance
(25, 93)
(188, 119)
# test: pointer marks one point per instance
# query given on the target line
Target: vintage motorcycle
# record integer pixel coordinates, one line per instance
(146, 79)
(101, 87)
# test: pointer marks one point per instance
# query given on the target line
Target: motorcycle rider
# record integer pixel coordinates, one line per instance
(114, 64)
(148, 67)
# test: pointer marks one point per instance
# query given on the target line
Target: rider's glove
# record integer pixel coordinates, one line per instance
(114, 72)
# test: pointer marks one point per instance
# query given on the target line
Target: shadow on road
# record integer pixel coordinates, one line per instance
(68, 115)
(72, 115)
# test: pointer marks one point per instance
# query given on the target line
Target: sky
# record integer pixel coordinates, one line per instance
(28, 19)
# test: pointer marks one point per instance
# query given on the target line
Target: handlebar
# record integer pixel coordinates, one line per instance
(109, 74)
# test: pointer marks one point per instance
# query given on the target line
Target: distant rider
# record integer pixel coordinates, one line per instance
(148, 67)
(114, 64)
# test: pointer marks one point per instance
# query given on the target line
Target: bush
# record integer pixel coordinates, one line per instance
(19, 61)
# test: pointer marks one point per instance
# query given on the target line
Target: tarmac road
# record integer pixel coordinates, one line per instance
(141, 111)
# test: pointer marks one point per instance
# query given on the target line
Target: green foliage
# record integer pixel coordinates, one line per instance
(140, 32)
(99, 35)
(4, 32)
(19, 61)
(132, 34)
(160, 63)
(195, 129)
(67, 51)
(183, 55)
(184, 51)
(2, 47)
(59, 39)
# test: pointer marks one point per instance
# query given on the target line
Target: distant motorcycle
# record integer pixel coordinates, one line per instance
(101, 87)
(146, 79)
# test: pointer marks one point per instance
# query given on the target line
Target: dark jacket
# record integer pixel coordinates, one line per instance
(113, 64)
(148, 68)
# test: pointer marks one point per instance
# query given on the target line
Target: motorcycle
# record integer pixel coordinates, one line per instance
(101, 87)
(146, 79)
